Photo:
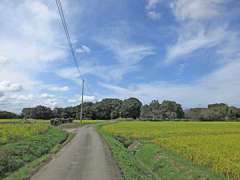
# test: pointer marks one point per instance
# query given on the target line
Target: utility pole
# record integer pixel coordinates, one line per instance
(81, 115)
(65, 27)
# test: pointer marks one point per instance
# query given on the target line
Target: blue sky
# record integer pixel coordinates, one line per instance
(182, 50)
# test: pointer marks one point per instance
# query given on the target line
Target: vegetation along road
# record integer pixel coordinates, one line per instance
(85, 157)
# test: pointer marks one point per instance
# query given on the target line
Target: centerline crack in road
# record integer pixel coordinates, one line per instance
(86, 157)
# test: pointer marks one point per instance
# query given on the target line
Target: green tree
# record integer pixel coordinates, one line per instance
(146, 112)
(131, 108)
(171, 110)
(39, 112)
(166, 110)
(107, 108)
(7, 115)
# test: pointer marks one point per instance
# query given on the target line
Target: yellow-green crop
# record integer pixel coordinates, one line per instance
(213, 144)
(19, 131)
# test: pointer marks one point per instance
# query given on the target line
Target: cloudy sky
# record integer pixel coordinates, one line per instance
(182, 50)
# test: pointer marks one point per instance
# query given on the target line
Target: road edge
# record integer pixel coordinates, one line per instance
(110, 156)
(34, 166)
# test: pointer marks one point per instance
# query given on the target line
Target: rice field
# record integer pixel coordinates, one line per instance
(212, 144)
(22, 142)
(19, 131)
(3, 121)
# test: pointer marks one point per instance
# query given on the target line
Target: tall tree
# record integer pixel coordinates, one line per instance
(166, 110)
(146, 112)
(107, 108)
(39, 112)
(171, 110)
(131, 108)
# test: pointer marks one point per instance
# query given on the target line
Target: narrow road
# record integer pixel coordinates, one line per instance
(86, 157)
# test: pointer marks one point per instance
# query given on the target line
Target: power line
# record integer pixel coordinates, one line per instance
(65, 27)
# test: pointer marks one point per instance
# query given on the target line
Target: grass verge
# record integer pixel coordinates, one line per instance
(19, 160)
(146, 160)
(128, 164)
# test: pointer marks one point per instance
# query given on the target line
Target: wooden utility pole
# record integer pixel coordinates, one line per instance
(81, 115)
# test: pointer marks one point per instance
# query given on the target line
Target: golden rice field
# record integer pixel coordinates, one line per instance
(19, 131)
(213, 144)
(89, 121)
(9, 121)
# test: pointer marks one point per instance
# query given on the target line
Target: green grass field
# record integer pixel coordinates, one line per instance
(23, 142)
(191, 150)
(2, 121)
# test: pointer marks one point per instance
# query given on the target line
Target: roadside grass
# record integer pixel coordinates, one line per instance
(15, 155)
(142, 159)
(29, 169)
(167, 165)
(128, 164)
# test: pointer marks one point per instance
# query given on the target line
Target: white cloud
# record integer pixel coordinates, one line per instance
(3, 60)
(59, 88)
(83, 49)
(191, 40)
(32, 40)
(1, 94)
(68, 72)
(27, 50)
(15, 74)
(127, 56)
(46, 95)
(199, 29)
(105, 72)
(21, 97)
(49, 102)
(151, 4)
(77, 99)
(220, 86)
(36, 38)
(196, 9)
(229, 50)
(15, 101)
(154, 15)
(126, 52)
(151, 9)
(6, 86)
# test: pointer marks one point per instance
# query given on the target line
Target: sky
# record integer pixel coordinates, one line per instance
(182, 50)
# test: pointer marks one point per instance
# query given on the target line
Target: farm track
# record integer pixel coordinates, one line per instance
(86, 157)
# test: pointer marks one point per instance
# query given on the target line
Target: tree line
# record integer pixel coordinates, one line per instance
(108, 108)
(7, 115)
(218, 112)
(112, 108)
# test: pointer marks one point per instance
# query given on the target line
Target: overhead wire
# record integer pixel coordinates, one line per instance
(65, 27)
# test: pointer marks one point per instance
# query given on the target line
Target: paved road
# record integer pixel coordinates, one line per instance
(86, 157)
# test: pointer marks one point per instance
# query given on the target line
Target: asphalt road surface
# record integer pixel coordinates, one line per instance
(86, 157)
